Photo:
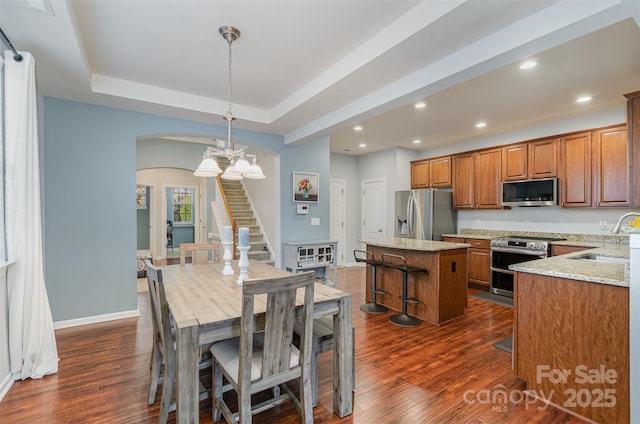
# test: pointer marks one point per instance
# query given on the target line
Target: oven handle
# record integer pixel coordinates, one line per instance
(502, 271)
(532, 252)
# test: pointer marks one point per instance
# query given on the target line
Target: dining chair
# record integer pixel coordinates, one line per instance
(198, 252)
(164, 352)
(259, 361)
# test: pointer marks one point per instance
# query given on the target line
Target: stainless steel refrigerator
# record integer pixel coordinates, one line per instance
(424, 214)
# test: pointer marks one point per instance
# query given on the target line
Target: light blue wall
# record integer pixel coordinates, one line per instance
(310, 157)
(89, 210)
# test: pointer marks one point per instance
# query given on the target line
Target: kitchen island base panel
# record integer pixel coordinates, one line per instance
(442, 290)
(571, 344)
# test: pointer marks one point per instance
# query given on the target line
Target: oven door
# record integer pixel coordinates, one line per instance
(501, 258)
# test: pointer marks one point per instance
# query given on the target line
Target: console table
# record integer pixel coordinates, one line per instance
(318, 255)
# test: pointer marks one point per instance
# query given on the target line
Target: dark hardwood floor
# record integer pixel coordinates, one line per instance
(426, 374)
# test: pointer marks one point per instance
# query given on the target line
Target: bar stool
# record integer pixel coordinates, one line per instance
(400, 263)
(373, 307)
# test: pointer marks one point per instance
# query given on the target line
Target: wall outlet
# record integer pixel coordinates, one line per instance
(603, 225)
(315, 221)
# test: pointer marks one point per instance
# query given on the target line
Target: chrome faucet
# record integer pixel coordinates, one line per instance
(616, 228)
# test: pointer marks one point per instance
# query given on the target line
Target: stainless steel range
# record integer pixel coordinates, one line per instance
(511, 250)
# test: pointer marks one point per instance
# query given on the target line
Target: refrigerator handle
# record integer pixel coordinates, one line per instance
(410, 214)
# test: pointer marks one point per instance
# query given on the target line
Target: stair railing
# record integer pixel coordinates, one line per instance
(234, 226)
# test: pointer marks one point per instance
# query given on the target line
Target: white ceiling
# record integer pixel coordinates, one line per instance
(307, 69)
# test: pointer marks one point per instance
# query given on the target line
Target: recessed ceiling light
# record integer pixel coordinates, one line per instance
(583, 99)
(362, 145)
(481, 124)
(420, 105)
(357, 128)
(417, 141)
(528, 64)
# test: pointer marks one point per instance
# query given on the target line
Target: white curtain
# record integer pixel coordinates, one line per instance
(32, 344)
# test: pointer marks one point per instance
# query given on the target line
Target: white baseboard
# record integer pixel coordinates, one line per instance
(5, 385)
(96, 319)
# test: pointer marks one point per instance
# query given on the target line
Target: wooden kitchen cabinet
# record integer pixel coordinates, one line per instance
(476, 180)
(595, 169)
(479, 262)
(478, 259)
(575, 184)
(420, 171)
(440, 172)
(514, 162)
(431, 173)
(561, 249)
(487, 178)
(463, 181)
(611, 167)
(536, 159)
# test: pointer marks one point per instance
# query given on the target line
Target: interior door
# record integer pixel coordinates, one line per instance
(337, 217)
(374, 208)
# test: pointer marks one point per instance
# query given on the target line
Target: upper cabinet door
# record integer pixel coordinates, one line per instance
(514, 162)
(611, 168)
(463, 181)
(487, 176)
(420, 173)
(543, 158)
(575, 184)
(441, 172)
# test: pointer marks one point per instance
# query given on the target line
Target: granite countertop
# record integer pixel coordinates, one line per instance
(564, 266)
(413, 244)
(471, 236)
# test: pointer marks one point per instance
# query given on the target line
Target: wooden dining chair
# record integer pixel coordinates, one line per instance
(163, 355)
(255, 362)
(199, 252)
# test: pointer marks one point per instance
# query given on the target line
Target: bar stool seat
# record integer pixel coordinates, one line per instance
(400, 263)
(367, 257)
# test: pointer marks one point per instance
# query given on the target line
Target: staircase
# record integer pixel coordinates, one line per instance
(242, 213)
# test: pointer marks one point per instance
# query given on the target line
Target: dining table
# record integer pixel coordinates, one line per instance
(206, 308)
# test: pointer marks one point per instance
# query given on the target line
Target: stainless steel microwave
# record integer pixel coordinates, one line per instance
(542, 192)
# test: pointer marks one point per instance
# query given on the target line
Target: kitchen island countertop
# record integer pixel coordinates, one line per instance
(566, 266)
(413, 244)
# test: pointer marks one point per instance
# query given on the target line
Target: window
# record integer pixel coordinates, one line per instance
(182, 205)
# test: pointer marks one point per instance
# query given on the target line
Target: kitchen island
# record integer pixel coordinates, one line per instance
(441, 291)
(571, 331)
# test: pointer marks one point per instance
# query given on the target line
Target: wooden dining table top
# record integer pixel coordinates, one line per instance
(200, 295)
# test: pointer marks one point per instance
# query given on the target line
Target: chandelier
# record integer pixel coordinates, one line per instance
(239, 166)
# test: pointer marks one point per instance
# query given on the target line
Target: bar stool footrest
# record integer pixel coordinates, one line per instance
(373, 308)
(404, 320)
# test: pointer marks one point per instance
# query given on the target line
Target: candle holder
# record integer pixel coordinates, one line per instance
(243, 264)
(227, 256)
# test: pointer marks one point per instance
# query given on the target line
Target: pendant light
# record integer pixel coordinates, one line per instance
(239, 167)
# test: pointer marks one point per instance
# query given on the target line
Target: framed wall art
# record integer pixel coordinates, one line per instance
(305, 187)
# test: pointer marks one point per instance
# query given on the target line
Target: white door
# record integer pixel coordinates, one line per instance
(337, 214)
(373, 208)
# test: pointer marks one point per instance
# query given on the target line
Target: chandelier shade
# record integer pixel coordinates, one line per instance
(239, 167)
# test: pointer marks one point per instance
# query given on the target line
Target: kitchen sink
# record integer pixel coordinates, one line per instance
(595, 257)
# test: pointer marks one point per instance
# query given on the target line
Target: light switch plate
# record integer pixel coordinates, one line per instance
(315, 221)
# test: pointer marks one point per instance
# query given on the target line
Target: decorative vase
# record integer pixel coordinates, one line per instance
(305, 194)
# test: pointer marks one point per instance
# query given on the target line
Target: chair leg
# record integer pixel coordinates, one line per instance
(307, 392)
(156, 364)
(167, 390)
(217, 390)
(314, 372)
